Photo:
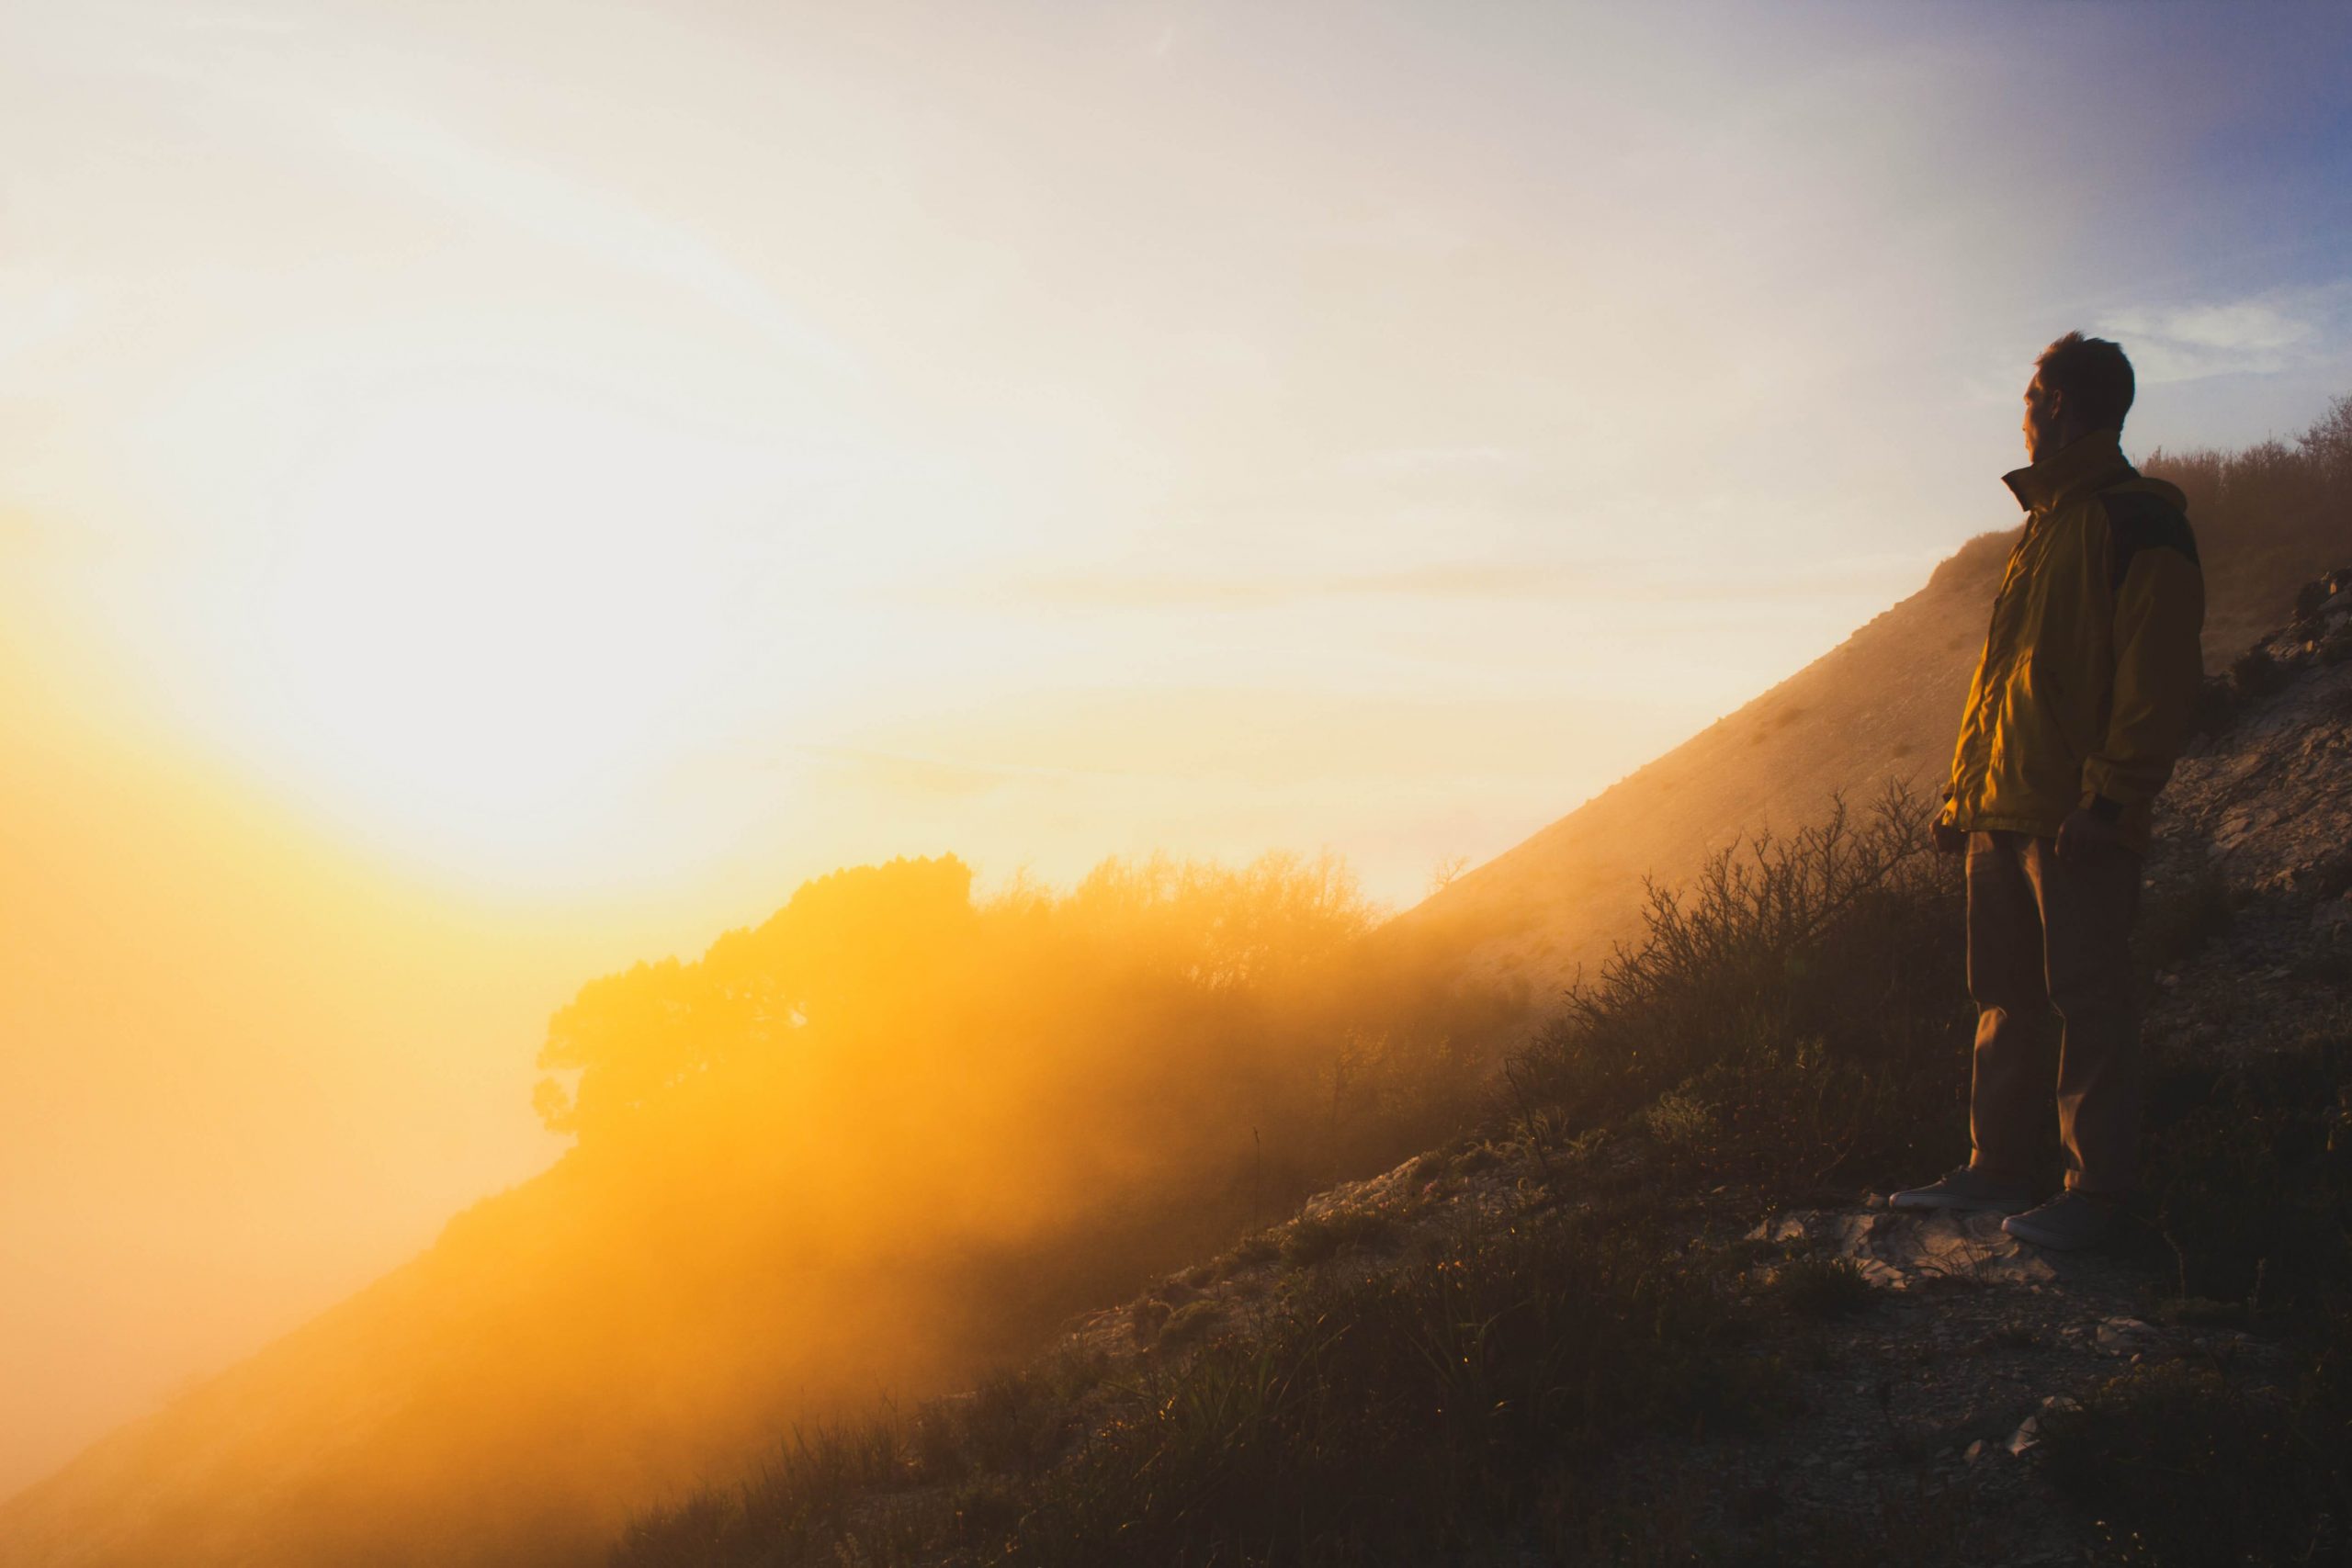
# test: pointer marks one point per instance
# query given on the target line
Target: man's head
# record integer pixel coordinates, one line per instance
(2080, 384)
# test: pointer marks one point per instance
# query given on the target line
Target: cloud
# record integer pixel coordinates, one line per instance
(2260, 335)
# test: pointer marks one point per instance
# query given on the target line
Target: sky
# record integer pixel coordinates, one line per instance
(491, 491)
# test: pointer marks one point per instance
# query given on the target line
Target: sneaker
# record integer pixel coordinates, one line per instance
(2068, 1223)
(1968, 1190)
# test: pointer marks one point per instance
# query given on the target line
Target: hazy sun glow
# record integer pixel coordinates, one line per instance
(492, 618)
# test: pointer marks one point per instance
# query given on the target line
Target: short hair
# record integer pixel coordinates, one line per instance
(2093, 378)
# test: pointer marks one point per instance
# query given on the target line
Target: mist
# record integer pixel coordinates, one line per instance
(876, 1145)
(244, 1068)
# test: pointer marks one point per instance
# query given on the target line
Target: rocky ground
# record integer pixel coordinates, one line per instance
(2251, 876)
(1933, 1401)
(1919, 1407)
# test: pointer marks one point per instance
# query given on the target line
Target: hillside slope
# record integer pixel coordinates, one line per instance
(1634, 1322)
(1883, 705)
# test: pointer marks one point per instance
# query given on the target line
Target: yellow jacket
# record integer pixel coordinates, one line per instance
(2088, 681)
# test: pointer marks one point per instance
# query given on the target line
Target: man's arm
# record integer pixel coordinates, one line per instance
(2159, 662)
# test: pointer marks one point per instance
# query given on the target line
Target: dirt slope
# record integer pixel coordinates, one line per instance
(1880, 706)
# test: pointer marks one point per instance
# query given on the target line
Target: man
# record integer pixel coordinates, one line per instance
(2081, 701)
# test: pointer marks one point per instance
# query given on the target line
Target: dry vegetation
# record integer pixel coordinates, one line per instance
(1792, 1025)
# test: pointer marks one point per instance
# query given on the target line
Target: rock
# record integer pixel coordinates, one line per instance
(2026, 1438)
(2126, 1336)
(1975, 1451)
(1896, 1249)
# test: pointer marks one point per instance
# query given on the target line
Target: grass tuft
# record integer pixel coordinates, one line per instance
(1821, 1287)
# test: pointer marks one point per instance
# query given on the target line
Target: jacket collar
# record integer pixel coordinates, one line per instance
(2089, 463)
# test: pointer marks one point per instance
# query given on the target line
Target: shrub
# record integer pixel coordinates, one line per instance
(2180, 1466)
(2256, 674)
(2254, 1162)
(1800, 1013)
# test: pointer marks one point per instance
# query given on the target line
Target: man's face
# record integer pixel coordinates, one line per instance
(2040, 419)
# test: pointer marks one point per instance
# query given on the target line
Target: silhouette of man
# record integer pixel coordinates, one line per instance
(2081, 701)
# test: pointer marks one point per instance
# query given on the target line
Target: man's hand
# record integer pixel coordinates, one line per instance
(1950, 841)
(2085, 835)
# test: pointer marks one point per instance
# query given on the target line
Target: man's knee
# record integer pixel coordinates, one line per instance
(2087, 975)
